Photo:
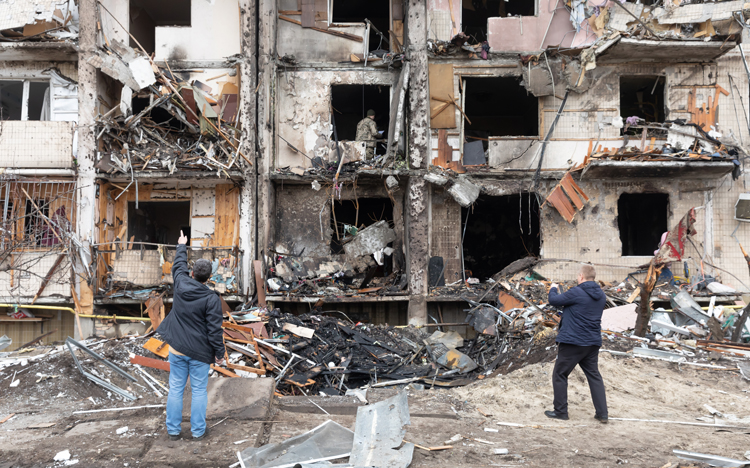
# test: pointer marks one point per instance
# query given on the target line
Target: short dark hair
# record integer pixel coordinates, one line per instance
(202, 270)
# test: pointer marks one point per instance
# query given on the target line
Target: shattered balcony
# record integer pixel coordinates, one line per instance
(44, 30)
(340, 249)
(138, 227)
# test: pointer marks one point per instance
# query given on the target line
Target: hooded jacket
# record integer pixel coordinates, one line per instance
(193, 326)
(582, 314)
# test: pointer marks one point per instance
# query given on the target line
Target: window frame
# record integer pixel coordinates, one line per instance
(25, 96)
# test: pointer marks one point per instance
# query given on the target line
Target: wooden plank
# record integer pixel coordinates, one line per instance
(577, 188)
(308, 14)
(571, 192)
(246, 369)
(223, 371)
(149, 362)
(37, 339)
(561, 203)
(257, 329)
(445, 155)
(351, 37)
(226, 215)
(157, 347)
(441, 86)
(154, 305)
(7, 417)
(321, 14)
(260, 284)
(78, 311)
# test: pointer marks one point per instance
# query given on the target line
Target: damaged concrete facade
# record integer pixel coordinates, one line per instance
(122, 125)
(488, 139)
(238, 121)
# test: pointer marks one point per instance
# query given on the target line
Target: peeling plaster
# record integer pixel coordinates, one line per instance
(416, 197)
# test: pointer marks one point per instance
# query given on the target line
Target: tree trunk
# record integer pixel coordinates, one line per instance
(644, 309)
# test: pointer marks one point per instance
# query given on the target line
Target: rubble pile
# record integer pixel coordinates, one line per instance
(180, 124)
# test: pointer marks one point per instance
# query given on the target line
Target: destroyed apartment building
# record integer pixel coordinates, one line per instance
(508, 137)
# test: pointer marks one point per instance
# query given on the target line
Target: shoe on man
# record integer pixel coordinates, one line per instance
(554, 415)
(602, 419)
(175, 436)
(202, 436)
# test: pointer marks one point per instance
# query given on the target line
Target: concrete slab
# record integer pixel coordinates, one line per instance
(242, 399)
(96, 427)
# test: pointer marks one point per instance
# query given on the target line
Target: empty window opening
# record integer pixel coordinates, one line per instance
(146, 15)
(642, 96)
(350, 105)
(642, 219)
(500, 107)
(499, 231)
(158, 222)
(24, 100)
(371, 210)
(356, 11)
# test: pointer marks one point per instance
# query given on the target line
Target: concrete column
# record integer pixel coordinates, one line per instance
(247, 118)
(417, 200)
(267, 19)
(86, 132)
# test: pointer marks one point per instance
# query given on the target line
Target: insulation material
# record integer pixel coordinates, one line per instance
(204, 202)
(201, 229)
(133, 69)
(619, 18)
(619, 319)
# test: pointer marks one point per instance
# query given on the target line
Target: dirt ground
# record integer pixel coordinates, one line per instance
(44, 423)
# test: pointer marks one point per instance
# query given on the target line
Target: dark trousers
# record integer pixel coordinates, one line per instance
(568, 356)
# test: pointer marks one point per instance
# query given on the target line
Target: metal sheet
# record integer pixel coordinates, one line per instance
(713, 460)
(659, 353)
(70, 342)
(378, 432)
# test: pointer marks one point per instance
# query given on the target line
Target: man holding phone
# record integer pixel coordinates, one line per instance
(193, 331)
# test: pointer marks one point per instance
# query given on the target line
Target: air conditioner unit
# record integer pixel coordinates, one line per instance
(742, 208)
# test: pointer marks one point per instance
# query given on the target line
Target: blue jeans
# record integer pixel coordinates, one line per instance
(179, 369)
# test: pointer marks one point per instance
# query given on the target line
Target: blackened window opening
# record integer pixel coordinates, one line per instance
(158, 222)
(146, 15)
(642, 96)
(11, 100)
(642, 219)
(351, 103)
(371, 210)
(499, 231)
(356, 11)
(500, 107)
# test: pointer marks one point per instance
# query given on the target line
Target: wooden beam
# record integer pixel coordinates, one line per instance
(48, 277)
(351, 37)
(149, 362)
(37, 339)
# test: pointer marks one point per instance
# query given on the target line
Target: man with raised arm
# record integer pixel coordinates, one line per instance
(193, 331)
(579, 340)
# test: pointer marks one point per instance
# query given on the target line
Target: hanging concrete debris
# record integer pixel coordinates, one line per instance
(370, 240)
(40, 20)
(126, 65)
(464, 191)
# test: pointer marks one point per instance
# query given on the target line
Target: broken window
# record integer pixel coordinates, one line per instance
(642, 96)
(499, 231)
(499, 106)
(351, 103)
(24, 100)
(376, 11)
(158, 222)
(146, 15)
(642, 219)
(359, 214)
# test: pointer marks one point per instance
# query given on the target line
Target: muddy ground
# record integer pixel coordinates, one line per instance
(44, 423)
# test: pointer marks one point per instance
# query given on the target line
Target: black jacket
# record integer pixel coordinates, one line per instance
(193, 326)
(582, 314)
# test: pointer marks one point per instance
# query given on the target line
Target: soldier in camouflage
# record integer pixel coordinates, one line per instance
(367, 131)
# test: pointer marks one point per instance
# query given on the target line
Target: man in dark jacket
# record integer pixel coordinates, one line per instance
(193, 331)
(579, 340)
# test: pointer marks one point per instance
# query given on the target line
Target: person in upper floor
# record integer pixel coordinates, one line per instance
(367, 131)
